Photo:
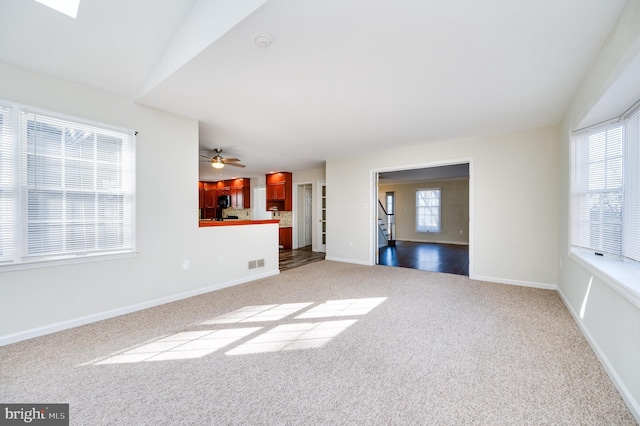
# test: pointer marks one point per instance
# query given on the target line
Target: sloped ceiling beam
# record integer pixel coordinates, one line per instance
(207, 21)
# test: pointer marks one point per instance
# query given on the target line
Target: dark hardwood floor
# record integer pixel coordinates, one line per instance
(448, 258)
(298, 257)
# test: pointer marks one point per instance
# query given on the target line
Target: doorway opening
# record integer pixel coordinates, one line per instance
(307, 235)
(304, 216)
(430, 223)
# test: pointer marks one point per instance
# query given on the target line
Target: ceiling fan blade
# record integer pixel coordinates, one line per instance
(230, 160)
(206, 156)
(235, 164)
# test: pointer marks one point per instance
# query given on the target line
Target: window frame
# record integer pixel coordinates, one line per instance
(426, 228)
(597, 190)
(124, 192)
(620, 270)
(390, 199)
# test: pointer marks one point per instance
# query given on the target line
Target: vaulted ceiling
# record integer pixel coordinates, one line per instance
(340, 77)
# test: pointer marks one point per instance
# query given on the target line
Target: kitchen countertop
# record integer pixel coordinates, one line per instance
(235, 222)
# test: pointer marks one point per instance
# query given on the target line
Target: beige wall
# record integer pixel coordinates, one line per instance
(513, 202)
(454, 210)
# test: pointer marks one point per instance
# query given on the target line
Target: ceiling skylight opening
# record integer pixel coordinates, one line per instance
(68, 7)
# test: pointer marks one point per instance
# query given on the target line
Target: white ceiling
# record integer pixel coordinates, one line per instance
(340, 77)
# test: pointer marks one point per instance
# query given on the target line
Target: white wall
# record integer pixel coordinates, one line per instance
(42, 300)
(513, 182)
(611, 322)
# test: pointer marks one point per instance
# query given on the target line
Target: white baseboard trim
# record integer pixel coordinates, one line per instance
(632, 404)
(459, 243)
(515, 282)
(344, 260)
(76, 322)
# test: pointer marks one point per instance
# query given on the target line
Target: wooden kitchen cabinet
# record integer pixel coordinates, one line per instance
(285, 235)
(279, 191)
(239, 190)
(276, 191)
(201, 195)
(210, 196)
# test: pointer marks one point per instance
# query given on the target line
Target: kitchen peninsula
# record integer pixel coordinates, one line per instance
(228, 203)
(235, 222)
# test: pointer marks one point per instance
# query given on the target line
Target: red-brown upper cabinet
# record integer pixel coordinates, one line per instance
(224, 190)
(279, 191)
(201, 195)
(210, 195)
(238, 189)
(276, 191)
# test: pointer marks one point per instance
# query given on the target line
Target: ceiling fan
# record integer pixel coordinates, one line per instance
(218, 162)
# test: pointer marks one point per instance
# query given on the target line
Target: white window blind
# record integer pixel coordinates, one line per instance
(7, 223)
(428, 210)
(66, 188)
(605, 213)
(631, 240)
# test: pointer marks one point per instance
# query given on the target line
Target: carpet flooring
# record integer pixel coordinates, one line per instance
(326, 344)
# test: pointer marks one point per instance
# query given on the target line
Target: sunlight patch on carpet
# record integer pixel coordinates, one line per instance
(259, 313)
(342, 308)
(292, 335)
(183, 345)
(289, 337)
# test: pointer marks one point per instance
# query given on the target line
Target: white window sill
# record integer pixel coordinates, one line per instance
(622, 275)
(66, 261)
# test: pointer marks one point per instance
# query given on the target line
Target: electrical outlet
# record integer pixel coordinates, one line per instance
(185, 264)
(220, 260)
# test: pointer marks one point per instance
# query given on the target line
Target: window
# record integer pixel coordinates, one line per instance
(428, 210)
(390, 202)
(70, 192)
(605, 213)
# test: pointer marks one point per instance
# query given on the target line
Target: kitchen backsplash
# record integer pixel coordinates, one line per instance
(286, 218)
(244, 214)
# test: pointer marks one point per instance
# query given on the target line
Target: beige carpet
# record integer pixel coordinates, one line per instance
(327, 343)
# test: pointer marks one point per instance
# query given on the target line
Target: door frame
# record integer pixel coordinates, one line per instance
(373, 196)
(320, 247)
(295, 211)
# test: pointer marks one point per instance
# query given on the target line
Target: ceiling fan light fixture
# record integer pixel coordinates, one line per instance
(216, 162)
